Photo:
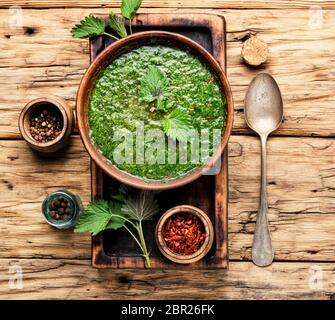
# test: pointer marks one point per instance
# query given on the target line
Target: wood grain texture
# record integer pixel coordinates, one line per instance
(42, 58)
(26, 180)
(301, 198)
(36, 60)
(217, 4)
(74, 279)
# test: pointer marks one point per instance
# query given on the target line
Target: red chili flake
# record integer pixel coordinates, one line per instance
(184, 233)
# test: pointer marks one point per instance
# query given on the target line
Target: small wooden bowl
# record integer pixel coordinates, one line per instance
(203, 250)
(50, 103)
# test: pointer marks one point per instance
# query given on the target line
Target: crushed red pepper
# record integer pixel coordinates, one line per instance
(184, 233)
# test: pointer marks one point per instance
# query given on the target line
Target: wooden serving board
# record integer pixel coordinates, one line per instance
(116, 249)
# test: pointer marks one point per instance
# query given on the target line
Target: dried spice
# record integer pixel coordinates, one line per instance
(184, 233)
(46, 124)
(60, 208)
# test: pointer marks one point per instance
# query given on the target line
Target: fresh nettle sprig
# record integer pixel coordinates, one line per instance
(176, 124)
(92, 26)
(127, 210)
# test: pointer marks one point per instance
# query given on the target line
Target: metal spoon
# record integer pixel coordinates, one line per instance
(263, 114)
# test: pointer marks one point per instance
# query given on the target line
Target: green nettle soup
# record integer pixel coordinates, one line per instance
(150, 94)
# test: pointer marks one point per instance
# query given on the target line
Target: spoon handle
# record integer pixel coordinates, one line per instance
(262, 252)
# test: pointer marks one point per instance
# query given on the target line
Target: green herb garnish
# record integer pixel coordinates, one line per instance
(98, 216)
(140, 207)
(92, 26)
(128, 212)
(89, 27)
(177, 125)
(117, 24)
(153, 85)
(129, 9)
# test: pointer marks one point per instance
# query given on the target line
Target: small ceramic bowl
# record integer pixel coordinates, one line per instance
(74, 204)
(205, 247)
(55, 104)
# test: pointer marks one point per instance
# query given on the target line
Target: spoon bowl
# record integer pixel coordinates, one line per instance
(263, 114)
(263, 104)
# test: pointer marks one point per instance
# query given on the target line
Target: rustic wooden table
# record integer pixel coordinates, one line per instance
(41, 58)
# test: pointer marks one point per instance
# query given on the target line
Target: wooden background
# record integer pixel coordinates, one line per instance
(41, 58)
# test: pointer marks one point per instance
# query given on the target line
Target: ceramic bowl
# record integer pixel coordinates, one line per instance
(94, 72)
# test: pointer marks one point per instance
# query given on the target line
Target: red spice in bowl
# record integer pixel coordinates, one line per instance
(184, 233)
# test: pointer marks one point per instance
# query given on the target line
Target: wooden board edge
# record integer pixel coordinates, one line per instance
(221, 211)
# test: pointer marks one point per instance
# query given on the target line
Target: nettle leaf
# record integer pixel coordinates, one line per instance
(116, 222)
(153, 85)
(177, 125)
(95, 218)
(117, 24)
(89, 27)
(98, 216)
(130, 7)
(141, 206)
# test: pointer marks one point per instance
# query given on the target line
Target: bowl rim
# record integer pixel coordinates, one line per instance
(203, 250)
(96, 155)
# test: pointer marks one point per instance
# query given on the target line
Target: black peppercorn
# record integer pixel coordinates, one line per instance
(64, 204)
(46, 124)
(60, 209)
